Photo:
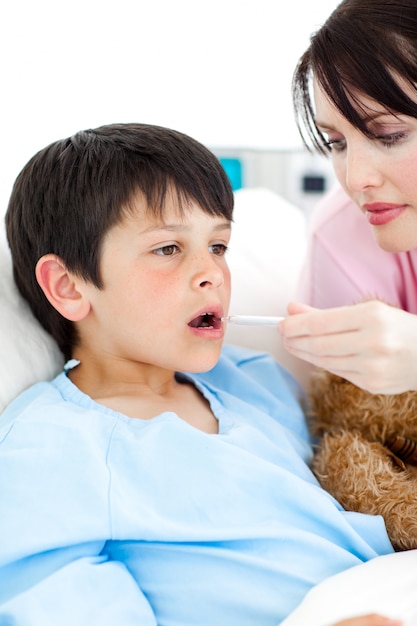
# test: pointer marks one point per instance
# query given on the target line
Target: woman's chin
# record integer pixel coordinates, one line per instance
(395, 240)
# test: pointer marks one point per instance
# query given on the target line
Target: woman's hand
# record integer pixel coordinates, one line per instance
(372, 344)
(370, 620)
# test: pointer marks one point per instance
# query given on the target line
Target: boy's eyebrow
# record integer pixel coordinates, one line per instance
(184, 227)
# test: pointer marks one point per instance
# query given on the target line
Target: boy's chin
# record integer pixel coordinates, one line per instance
(203, 364)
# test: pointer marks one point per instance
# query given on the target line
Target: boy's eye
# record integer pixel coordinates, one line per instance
(167, 250)
(219, 249)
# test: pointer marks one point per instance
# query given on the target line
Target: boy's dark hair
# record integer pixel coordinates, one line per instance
(73, 191)
(363, 47)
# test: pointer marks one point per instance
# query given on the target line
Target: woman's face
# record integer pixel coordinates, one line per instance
(379, 172)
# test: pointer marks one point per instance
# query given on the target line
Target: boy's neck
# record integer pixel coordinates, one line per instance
(143, 391)
(101, 378)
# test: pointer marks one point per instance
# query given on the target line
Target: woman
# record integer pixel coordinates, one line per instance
(356, 99)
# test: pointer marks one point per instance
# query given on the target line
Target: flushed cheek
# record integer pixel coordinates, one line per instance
(407, 179)
(156, 300)
(161, 290)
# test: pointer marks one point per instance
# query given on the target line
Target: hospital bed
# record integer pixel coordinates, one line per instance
(265, 256)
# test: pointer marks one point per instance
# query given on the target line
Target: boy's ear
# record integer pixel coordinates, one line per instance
(62, 288)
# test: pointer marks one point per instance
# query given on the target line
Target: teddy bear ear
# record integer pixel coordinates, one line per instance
(403, 448)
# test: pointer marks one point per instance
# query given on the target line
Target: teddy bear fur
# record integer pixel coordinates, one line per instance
(356, 458)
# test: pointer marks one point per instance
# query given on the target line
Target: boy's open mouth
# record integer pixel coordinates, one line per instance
(207, 320)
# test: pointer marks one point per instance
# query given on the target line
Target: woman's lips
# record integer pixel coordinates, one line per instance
(380, 213)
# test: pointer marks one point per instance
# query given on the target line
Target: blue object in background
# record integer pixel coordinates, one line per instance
(233, 169)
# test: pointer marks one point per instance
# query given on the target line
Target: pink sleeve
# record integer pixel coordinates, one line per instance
(344, 264)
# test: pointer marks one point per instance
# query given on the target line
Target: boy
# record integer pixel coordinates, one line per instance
(157, 480)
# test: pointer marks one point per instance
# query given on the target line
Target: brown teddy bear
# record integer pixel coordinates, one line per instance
(366, 454)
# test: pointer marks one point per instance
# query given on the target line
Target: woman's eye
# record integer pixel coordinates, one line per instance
(336, 145)
(219, 249)
(391, 139)
(167, 250)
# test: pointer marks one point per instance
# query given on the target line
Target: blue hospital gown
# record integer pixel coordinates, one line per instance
(108, 520)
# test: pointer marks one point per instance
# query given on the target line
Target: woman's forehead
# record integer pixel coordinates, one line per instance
(367, 109)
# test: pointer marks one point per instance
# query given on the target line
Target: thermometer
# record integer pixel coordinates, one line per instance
(252, 320)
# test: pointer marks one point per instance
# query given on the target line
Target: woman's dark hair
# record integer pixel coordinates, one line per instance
(362, 49)
(73, 191)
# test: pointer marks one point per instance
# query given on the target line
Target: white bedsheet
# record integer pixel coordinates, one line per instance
(385, 585)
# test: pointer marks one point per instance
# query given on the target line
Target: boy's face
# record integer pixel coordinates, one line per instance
(160, 277)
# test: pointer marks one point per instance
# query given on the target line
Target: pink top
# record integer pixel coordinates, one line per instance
(344, 264)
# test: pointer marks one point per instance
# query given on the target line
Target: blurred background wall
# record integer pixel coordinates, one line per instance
(218, 70)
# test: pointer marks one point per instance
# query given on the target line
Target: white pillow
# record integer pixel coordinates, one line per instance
(267, 248)
(29, 354)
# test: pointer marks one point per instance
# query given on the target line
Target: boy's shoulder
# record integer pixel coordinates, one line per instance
(26, 425)
(33, 399)
(44, 400)
(54, 416)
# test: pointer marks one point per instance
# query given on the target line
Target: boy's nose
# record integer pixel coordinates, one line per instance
(208, 274)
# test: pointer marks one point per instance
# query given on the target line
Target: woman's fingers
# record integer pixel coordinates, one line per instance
(371, 344)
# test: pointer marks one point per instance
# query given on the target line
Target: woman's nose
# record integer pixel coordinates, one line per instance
(362, 169)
